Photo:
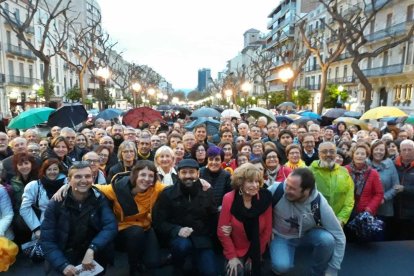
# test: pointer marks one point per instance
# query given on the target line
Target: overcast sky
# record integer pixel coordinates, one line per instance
(178, 37)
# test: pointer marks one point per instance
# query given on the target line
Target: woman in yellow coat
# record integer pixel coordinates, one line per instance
(133, 196)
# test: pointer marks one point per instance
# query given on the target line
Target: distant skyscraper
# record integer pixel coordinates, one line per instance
(204, 76)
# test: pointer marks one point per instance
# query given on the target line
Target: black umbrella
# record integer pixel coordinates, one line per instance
(68, 116)
(334, 113)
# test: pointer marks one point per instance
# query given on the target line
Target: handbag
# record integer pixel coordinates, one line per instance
(366, 227)
(33, 251)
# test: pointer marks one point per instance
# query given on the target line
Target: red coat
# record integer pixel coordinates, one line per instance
(371, 195)
(283, 173)
(237, 244)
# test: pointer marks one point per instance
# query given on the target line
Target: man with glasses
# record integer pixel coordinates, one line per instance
(315, 130)
(243, 131)
(334, 182)
(309, 152)
(94, 160)
(80, 228)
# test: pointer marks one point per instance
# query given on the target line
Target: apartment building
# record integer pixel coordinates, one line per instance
(391, 73)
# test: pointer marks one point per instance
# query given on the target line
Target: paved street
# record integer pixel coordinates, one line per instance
(379, 259)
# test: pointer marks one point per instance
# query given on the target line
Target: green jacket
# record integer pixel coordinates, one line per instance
(337, 187)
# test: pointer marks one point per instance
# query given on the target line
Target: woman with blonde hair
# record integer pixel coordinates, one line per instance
(164, 160)
(245, 223)
(127, 155)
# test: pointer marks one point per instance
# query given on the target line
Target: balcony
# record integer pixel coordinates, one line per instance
(348, 79)
(17, 22)
(19, 51)
(379, 4)
(315, 86)
(313, 67)
(2, 78)
(393, 31)
(383, 70)
(18, 80)
(343, 56)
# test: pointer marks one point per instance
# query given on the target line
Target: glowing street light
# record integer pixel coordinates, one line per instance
(246, 87)
(136, 87)
(285, 75)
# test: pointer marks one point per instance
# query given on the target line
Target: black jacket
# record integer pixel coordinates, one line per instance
(220, 182)
(308, 160)
(176, 208)
(56, 227)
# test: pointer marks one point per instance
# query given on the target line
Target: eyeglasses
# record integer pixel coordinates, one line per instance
(331, 151)
(269, 157)
(294, 153)
(103, 155)
(92, 161)
(201, 150)
(128, 151)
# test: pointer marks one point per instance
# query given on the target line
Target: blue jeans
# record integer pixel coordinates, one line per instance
(202, 259)
(282, 251)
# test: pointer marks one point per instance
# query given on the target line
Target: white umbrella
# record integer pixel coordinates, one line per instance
(230, 113)
(259, 111)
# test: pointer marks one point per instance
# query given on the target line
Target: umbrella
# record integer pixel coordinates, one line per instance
(109, 114)
(259, 111)
(145, 114)
(282, 118)
(311, 115)
(206, 112)
(354, 114)
(382, 112)
(303, 120)
(68, 116)
(218, 108)
(182, 110)
(163, 107)
(212, 125)
(285, 105)
(31, 117)
(349, 121)
(230, 113)
(409, 120)
(293, 116)
(334, 113)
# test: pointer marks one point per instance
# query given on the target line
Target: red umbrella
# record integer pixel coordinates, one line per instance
(145, 114)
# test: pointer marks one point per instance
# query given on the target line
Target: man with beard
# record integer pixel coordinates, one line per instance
(303, 217)
(184, 217)
(5, 150)
(285, 139)
(117, 133)
(272, 133)
(334, 182)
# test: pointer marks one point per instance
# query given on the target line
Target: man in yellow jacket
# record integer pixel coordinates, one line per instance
(334, 182)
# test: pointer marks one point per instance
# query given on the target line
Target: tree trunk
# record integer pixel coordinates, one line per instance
(81, 85)
(289, 88)
(46, 87)
(324, 75)
(365, 82)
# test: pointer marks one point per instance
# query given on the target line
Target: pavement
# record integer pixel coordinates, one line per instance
(370, 259)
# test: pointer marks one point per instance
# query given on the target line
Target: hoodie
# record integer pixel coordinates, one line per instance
(293, 219)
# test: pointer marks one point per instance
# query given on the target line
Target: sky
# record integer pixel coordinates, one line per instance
(178, 37)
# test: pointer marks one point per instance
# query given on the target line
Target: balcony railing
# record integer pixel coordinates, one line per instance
(344, 56)
(18, 22)
(384, 70)
(16, 50)
(314, 67)
(2, 78)
(392, 31)
(315, 86)
(348, 79)
(20, 80)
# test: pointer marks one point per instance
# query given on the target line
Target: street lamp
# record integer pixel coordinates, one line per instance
(246, 86)
(339, 101)
(136, 87)
(104, 74)
(228, 94)
(285, 75)
(150, 92)
(36, 88)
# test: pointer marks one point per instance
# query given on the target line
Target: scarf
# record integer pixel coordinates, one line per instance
(300, 164)
(359, 177)
(122, 189)
(272, 175)
(52, 186)
(250, 220)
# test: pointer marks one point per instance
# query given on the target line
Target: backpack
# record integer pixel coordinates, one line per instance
(315, 204)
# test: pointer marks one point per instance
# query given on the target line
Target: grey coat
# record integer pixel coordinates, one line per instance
(389, 177)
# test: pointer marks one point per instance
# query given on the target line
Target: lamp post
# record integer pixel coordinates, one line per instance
(339, 101)
(285, 75)
(136, 87)
(104, 74)
(150, 92)
(228, 94)
(246, 86)
(36, 88)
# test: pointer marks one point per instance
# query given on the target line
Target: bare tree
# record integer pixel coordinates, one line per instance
(55, 22)
(124, 75)
(317, 44)
(233, 81)
(81, 49)
(294, 58)
(352, 31)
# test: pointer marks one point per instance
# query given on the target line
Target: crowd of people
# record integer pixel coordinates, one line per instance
(205, 203)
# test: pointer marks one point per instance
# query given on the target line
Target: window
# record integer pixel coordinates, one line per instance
(30, 71)
(385, 59)
(410, 13)
(363, 95)
(57, 74)
(346, 71)
(21, 70)
(397, 94)
(11, 67)
(8, 37)
(329, 73)
(372, 27)
(42, 69)
(336, 72)
(408, 91)
(389, 20)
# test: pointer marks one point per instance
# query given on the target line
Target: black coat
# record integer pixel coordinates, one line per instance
(219, 181)
(308, 160)
(56, 227)
(174, 210)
